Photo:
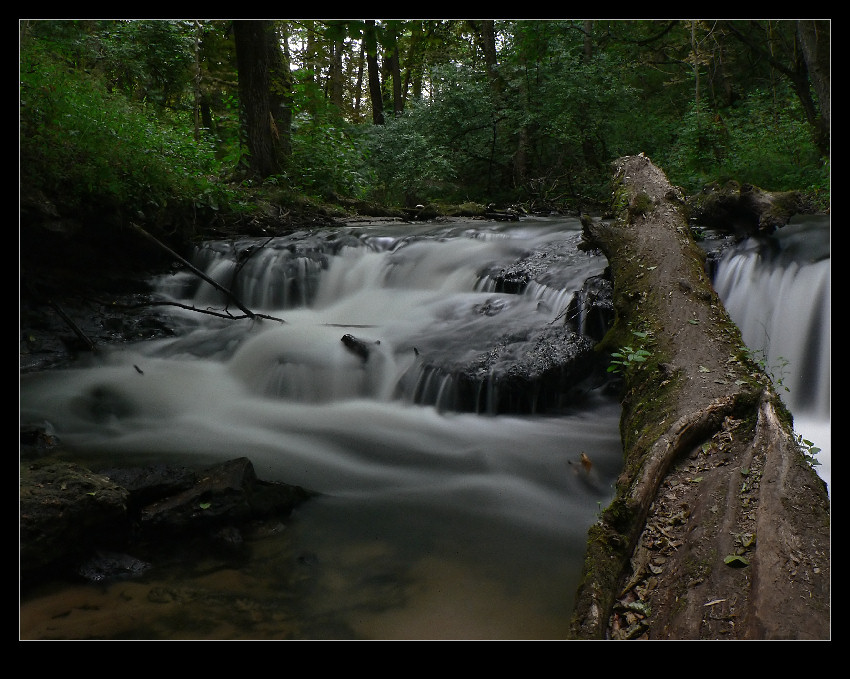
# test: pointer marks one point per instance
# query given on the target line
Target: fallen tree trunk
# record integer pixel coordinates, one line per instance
(719, 528)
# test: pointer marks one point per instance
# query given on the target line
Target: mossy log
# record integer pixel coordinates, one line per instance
(719, 527)
(743, 209)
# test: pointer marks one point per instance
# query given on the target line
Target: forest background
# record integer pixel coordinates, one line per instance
(178, 124)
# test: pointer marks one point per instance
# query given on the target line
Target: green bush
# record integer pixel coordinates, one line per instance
(405, 164)
(754, 142)
(327, 158)
(92, 150)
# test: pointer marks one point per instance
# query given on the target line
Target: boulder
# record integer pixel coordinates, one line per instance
(71, 515)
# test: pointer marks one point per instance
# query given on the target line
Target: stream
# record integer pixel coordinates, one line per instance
(434, 521)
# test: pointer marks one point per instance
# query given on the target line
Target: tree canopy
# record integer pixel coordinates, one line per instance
(148, 115)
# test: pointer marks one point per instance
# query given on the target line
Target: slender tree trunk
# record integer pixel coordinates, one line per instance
(588, 40)
(814, 40)
(335, 76)
(358, 89)
(395, 68)
(487, 31)
(370, 43)
(695, 57)
(281, 92)
(196, 81)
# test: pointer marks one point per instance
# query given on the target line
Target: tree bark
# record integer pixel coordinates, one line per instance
(719, 527)
(263, 95)
(370, 44)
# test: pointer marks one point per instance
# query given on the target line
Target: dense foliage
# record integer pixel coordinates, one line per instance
(142, 117)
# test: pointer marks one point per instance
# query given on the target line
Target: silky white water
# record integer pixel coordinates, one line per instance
(777, 290)
(430, 523)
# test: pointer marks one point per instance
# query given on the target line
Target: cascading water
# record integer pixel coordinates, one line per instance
(777, 290)
(432, 522)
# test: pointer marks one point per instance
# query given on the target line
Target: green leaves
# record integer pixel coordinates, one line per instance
(628, 356)
(809, 450)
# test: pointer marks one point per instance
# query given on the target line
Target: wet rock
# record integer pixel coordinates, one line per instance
(534, 266)
(105, 566)
(223, 493)
(532, 372)
(65, 510)
(75, 520)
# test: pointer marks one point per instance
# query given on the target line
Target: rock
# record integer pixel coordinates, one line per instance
(73, 520)
(530, 372)
(223, 493)
(65, 510)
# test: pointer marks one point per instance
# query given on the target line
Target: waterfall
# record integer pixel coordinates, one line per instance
(433, 519)
(777, 290)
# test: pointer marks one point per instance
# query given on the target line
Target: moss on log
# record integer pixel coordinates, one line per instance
(719, 527)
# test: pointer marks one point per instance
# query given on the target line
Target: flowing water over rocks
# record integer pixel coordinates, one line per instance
(412, 380)
(424, 402)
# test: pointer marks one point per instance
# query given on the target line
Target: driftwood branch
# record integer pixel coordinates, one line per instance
(194, 270)
(190, 307)
(84, 339)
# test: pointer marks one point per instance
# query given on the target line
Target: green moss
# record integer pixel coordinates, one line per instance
(640, 204)
(699, 569)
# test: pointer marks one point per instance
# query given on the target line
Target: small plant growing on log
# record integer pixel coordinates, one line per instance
(809, 450)
(776, 372)
(628, 356)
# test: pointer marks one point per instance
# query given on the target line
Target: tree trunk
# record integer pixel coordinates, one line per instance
(370, 43)
(719, 527)
(358, 88)
(335, 76)
(395, 69)
(815, 41)
(263, 83)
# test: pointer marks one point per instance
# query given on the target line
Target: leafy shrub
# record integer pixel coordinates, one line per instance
(406, 164)
(754, 142)
(92, 150)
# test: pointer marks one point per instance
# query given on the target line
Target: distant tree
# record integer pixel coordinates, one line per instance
(264, 89)
(815, 41)
(370, 45)
(793, 49)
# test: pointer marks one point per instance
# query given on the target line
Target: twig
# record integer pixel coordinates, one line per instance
(90, 345)
(194, 308)
(195, 270)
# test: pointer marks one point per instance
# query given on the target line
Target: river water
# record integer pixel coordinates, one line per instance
(432, 523)
(777, 290)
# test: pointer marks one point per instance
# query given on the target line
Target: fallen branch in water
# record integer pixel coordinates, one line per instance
(189, 307)
(89, 344)
(195, 270)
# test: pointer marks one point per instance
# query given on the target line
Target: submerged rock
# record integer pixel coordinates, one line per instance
(74, 520)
